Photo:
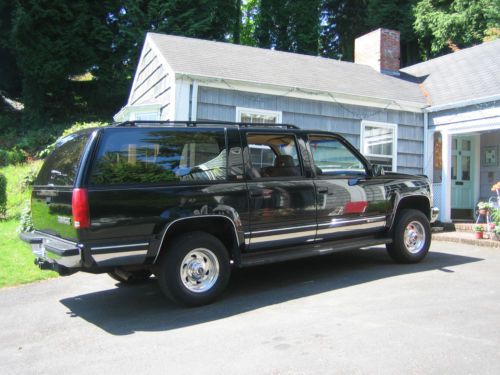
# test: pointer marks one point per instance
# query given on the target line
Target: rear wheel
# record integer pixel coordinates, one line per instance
(195, 269)
(411, 237)
(130, 277)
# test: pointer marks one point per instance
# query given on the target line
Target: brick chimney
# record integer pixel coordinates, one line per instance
(379, 49)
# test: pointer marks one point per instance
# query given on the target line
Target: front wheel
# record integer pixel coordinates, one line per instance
(195, 269)
(411, 237)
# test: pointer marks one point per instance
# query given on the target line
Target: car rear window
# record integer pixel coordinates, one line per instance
(148, 156)
(61, 166)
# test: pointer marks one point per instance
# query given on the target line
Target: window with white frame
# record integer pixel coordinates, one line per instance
(258, 116)
(379, 143)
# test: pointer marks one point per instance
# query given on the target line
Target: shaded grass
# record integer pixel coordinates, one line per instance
(16, 259)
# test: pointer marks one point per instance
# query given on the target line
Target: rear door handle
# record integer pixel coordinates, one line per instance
(255, 194)
(324, 191)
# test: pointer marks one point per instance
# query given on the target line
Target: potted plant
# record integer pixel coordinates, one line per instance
(497, 232)
(484, 207)
(478, 230)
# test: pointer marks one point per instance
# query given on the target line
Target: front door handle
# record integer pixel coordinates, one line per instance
(324, 191)
(255, 194)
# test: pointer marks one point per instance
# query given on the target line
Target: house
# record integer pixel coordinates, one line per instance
(438, 117)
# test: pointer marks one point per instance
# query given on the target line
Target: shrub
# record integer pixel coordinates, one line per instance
(13, 156)
(29, 179)
(3, 196)
(25, 221)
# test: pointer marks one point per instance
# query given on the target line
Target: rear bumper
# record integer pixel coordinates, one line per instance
(54, 253)
(434, 214)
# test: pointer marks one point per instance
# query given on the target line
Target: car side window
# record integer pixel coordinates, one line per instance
(273, 155)
(332, 158)
(145, 156)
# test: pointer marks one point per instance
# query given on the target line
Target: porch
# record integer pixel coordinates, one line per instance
(465, 164)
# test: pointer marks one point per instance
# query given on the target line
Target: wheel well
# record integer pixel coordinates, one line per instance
(419, 203)
(221, 228)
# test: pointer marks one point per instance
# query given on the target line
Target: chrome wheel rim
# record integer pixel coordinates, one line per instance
(414, 237)
(199, 270)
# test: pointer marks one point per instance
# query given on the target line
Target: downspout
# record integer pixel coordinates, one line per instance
(193, 101)
(426, 144)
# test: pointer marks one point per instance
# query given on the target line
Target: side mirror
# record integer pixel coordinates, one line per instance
(377, 170)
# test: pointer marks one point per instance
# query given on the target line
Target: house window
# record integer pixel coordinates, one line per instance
(379, 143)
(258, 116)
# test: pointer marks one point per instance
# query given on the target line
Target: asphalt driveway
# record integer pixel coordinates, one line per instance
(354, 312)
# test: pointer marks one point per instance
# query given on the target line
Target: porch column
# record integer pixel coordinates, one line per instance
(476, 171)
(445, 214)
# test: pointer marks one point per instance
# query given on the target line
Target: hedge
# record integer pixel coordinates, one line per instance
(3, 196)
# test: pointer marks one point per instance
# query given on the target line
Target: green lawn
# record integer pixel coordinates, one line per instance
(16, 260)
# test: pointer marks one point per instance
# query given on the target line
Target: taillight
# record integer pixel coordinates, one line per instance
(80, 205)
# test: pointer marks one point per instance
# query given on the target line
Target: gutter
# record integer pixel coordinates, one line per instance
(271, 89)
(462, 103)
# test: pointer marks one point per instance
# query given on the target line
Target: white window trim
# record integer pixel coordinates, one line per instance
(394, 140)
(256, 111)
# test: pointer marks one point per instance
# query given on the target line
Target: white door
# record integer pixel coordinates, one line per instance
(462, 154)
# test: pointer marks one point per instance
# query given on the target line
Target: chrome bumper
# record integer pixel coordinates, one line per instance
(52, 252)
(434, 214)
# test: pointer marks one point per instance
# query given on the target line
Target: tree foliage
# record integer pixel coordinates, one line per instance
(443, 25)
(66, 59)
(291, 25)
(10, 80)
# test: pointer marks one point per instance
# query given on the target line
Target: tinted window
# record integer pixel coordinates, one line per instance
(273, 155)
(262, 156)
(332, 158)
(61, 165)
(137, 156)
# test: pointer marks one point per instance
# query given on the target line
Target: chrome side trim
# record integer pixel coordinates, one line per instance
(283, 236)
(104, 257)
(339, 223)
(190, 218)
(119, 246)
(281, 229)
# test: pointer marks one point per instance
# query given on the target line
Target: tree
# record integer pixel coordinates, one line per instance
(204, 19)
(10, 79)
(342, 22)
(443, 25)
(249, 13)
(55, 40)
(288, 25)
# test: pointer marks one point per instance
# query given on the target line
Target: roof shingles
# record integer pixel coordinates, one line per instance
(249, 64)
(467, 74)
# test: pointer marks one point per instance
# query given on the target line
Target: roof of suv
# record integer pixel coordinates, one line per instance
(143, 123)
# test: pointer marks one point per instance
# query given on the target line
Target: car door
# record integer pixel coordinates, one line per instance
(282, 200)
(349, 201)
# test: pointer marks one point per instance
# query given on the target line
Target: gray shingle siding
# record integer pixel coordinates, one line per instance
(220, 104)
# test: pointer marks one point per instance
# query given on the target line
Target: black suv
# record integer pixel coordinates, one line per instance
(188, 201)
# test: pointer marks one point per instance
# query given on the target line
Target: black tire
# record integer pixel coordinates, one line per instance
(403, 251)
(130, 277)
(178, 273)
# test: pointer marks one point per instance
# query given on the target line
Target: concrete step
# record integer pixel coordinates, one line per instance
(466, 227)
(464, 237)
